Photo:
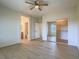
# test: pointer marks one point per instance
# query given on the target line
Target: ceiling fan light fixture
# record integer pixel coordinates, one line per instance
(36, 6)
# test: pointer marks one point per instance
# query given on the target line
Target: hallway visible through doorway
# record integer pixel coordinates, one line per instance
(24, 28)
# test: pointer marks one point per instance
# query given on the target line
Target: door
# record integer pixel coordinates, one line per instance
(52, 31)
(37, 30)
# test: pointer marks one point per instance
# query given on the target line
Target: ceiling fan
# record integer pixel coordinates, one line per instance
(37, 4)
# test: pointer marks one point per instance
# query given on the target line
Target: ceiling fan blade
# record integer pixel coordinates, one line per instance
(29, 3)
(32, 8)
(43, 4)
(40, 8)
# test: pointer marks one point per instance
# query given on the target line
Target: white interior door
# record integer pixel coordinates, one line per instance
(37, 30)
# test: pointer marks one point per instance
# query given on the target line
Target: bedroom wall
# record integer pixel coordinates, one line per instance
(9, 26)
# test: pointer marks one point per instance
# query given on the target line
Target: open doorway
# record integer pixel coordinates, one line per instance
(24, 29)
(62, 30)
(58, 31)
(51, 31)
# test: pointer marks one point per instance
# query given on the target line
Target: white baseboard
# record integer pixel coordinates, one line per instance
(8, 43)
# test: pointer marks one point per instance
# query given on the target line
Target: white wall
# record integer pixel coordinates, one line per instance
(72, 27)
(78, 21)
(73, 31)
(9, 27)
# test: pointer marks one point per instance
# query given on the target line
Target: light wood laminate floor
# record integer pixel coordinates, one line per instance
(39, 50)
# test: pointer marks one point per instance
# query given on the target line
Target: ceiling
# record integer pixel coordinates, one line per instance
(54, 6)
